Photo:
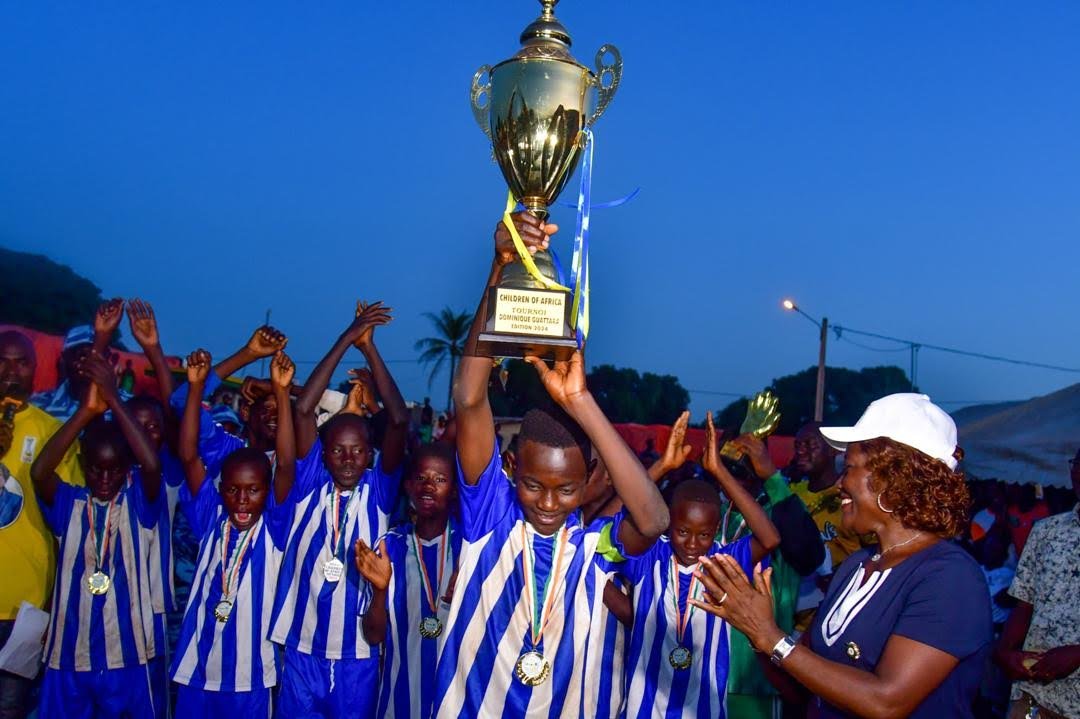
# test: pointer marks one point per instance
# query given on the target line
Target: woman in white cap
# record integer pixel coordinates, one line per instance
(905, 627)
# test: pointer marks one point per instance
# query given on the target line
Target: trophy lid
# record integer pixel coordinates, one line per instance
(546, 37)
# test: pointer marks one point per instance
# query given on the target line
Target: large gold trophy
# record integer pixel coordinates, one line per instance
(535, 107)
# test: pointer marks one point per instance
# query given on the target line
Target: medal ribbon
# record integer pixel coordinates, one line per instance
(539, 621)
(738, 530)
(230, 566)
(340, 520)
(681, 619)
(579, 266)
(100, 546)
(425, 580)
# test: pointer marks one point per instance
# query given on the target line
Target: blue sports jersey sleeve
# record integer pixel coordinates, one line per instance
(277, 517)
(310, 472)
(59, 512)
(947, 607)
(148, 513)
(486, 503)
(742, 551)
(385, 486)
(201, 510)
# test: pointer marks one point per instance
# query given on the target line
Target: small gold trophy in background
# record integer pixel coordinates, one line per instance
(762, 417)
(536, 107)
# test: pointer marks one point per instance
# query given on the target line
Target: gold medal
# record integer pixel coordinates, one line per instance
(223, 610)
(532, 669)
(853, 651)
(680, 657)
(430, 627)
(98, 583)
(333, 570)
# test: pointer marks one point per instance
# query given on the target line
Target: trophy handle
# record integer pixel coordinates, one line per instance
(480, 111)
(613, 71)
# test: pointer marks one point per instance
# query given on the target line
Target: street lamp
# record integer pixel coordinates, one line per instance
(823, 326)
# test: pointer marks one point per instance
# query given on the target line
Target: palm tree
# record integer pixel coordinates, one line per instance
(452, 328)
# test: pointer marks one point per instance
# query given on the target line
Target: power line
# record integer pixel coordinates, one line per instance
(952, 350)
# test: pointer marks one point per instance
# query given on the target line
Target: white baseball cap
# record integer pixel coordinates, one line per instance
(907, 418)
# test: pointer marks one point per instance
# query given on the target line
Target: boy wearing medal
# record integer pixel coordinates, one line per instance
(225, 664)
(330, 670)
(678, 655)
(410, 575)
(101, 633)
(531, 575)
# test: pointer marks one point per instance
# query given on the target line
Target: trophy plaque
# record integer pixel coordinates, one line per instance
(535, 108)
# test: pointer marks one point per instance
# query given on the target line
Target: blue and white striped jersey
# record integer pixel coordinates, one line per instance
(312, 615)
(490, 627)
(92, 632)
(162, 589)
(655, 688)
(407, 686)
(235, 655)
(605, 672)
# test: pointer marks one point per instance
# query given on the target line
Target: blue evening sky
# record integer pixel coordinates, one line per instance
(906, 168)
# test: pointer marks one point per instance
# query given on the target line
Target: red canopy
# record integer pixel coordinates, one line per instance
(48, 348)
(781, 449)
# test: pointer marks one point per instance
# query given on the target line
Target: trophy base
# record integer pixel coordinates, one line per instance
(524, 321)
(493, 344)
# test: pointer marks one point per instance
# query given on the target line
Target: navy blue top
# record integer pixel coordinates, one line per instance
(936, 596)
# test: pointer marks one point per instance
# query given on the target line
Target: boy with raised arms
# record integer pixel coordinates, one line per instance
(330, 670)
(678, 657)
(225, 663)
(410, 575)
(101, 635)
(531, 576)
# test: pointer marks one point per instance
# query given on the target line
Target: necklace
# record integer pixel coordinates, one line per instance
(878, 555)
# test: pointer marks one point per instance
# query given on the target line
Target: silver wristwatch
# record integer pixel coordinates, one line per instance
(783, 647)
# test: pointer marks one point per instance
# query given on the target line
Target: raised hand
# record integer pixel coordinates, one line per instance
(565, 382)
(710, 459)
(677, 450)
(282, 370)
(361, 399)
(198, 366)
(266, 340)
(758, 452)
(142, 322)
(361, 332)
(97, 370)
(373, 565)
(534, 233)
(253, 388)
(93, 402)
(107, 317)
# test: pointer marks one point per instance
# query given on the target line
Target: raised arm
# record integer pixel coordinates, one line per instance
(397, 426)
(282, 370)
(367, 318)
(475, 425)
(764, 538)
(264, 342)
(647, 512)
(106, 320)
(187, 450)
(143, 325)
(676, 452)
(98, 371)
(43, 470)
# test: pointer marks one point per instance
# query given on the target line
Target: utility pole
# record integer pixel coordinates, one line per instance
(819, 398)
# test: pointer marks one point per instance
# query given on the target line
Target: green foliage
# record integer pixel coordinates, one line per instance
(448, 343)
(43, 295)
(847, 394)
(626, 396)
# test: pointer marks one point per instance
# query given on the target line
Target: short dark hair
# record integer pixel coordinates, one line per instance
(434, 450)
(344, 419)
(695, 490)
(249, 456)
(103, 433)
(145, 401)
(552, 427)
